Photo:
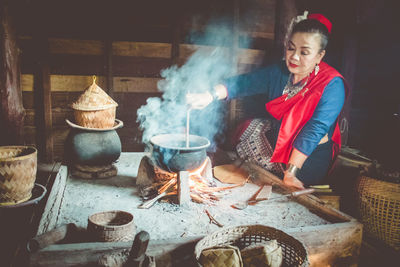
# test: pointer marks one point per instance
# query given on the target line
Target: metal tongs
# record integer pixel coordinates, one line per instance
(167, 188)
(244, 204)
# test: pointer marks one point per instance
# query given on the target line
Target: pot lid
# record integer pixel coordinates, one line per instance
(94, 98)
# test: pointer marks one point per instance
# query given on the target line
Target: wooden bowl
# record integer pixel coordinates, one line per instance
(111, 226)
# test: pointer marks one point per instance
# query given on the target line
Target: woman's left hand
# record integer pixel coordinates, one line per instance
(291, 180)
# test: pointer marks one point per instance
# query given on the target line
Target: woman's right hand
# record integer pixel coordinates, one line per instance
(199, 100)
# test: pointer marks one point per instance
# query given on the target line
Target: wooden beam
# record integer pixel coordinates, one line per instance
(142, 49)
(89, 64)
(77, 83)
(313, 203)
(11, 108)
(49, 217)
(77, 47)
(331, 245)
(139, 66)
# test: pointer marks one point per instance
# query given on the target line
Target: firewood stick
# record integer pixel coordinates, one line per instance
(212, 219)
(217, 189)
(196, 198)
(167, 185)
(50, 237)
(213, 197)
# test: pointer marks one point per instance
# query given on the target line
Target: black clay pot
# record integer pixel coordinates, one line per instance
(170, 151)
(85, 146)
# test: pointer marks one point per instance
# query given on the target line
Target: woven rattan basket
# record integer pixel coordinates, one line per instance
(379, 209)
(111, 226)
(294, 252)
(18, 165)
(94, 108)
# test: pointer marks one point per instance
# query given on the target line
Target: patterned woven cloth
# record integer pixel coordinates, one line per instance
(254, 146)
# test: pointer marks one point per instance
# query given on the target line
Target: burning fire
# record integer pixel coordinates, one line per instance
(202, 188)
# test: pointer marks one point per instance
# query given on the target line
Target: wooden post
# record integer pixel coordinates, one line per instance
(349, 65)
(285, 11)
(234, 51)
(11, 108)
(43, 106)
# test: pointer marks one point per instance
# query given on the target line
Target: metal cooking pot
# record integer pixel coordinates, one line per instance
(170, 151)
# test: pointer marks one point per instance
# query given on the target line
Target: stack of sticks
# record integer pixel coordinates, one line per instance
(202, 189)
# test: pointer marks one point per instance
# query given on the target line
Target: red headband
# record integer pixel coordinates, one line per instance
(321, 18)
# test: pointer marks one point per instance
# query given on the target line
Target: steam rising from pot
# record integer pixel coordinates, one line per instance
(206, 67)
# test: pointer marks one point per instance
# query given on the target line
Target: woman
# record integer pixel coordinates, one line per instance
(305, 97)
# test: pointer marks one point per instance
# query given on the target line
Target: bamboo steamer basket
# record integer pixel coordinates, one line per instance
(94, 108)
(18, 165)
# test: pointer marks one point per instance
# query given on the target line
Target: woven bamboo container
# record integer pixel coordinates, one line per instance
(111, 226)
(18, 165)
(94, 108)
(294, 252)
(379, 209)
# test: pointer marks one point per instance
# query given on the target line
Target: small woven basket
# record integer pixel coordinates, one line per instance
(111, 226)
(379, 209)
(293, 251)
(18, 165)
(94, 108)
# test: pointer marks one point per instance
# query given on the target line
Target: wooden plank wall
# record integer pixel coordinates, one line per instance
(136, 67)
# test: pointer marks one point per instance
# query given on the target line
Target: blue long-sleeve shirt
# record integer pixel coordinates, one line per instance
(271, 80)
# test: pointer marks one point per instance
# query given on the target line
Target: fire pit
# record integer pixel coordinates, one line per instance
(178, 166)
(196, 184)
(328, 234)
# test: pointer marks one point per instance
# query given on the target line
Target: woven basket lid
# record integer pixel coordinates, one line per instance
(94, 98)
